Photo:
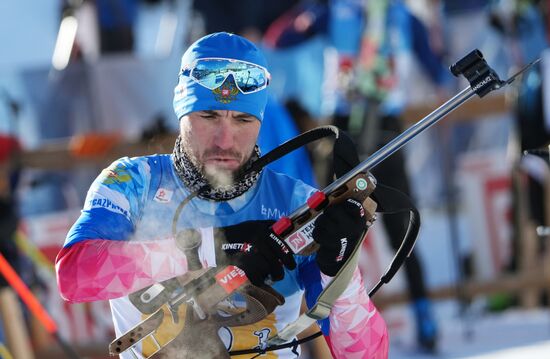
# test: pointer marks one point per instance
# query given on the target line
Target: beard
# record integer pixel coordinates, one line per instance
(217, 177)
(193, 175)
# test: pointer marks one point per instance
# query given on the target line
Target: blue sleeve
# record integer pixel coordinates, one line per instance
(113, 203)
(112, 226)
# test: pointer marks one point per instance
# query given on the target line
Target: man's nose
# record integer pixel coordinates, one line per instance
(224, 137)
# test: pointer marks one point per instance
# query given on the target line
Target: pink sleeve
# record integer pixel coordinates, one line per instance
(357, 330)
(98, 269)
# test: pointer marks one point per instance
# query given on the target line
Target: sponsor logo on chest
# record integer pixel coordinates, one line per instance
(163, 195)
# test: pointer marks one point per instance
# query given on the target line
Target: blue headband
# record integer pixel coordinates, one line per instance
(189, 96)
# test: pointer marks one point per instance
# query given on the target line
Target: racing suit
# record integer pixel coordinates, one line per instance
(122, 242)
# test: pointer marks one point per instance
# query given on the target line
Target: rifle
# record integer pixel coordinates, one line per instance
(203, 289)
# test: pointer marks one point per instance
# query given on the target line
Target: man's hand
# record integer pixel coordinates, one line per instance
(248, 245)
(337, 231)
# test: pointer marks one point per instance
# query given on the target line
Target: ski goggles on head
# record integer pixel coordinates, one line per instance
(212, 72)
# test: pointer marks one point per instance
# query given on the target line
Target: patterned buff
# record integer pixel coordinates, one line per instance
(195, 180)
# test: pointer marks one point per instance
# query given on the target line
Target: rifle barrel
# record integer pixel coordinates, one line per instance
(401, 140)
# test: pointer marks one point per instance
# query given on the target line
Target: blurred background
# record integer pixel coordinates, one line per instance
(85, 82)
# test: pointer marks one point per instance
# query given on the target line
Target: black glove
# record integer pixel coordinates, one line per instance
(249, 246)
(337, 231)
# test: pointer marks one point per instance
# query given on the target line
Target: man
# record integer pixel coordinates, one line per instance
(123, 240)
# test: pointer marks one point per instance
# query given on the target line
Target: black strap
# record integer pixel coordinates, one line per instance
(293, 144)
(345, 156)
(390, 200)
(260, 351)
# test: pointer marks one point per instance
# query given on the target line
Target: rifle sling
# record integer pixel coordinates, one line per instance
(324, 303)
